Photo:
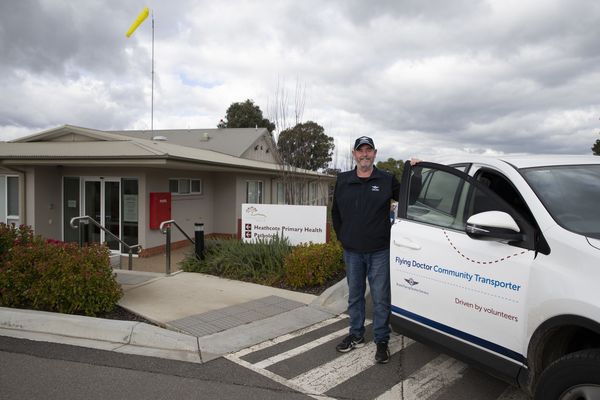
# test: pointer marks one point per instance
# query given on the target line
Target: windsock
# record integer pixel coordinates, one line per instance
(138, 21)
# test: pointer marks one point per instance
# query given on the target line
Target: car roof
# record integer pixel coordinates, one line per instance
(521, 161)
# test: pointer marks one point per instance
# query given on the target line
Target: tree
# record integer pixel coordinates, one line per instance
(245, 115)
(305, 146)
(391, 165)
(279, 109)
(596, 148)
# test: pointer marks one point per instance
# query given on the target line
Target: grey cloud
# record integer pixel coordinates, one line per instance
(438, 10)
(457, 75)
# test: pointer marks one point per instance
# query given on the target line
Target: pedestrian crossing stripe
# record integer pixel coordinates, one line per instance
(434, 376)
(274, 377)
(292, 335)
(428, 381)
(300, 349)
(320, 380)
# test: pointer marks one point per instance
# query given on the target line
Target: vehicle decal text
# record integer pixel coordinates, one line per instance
(469, 277)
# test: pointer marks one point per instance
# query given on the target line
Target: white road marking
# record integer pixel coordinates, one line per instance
(299, 350)
(275, 377)
(428, 381)
(327, 376)
(292, 335)
(433, 376)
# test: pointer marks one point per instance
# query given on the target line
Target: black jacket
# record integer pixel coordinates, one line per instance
(361, 210)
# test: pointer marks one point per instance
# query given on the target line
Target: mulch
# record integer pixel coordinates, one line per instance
(124, 315)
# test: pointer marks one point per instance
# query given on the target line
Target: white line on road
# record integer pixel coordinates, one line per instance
(433, 376)
(292, 335)
(275, 377)
(302, 349)
(320, 380)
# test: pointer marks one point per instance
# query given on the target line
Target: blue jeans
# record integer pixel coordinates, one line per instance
(374, 266)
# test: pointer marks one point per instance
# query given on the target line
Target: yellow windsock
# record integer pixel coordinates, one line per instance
(138, 21)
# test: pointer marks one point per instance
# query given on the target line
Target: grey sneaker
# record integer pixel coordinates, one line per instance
(350, 342)
(382, 356)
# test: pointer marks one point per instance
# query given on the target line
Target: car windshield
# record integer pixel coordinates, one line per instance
(571, 194)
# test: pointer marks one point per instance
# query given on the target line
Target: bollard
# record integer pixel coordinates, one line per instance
(199, 240)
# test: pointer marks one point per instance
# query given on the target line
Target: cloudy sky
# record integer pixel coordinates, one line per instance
(420, 77)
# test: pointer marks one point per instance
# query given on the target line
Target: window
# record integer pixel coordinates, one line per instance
(196, 185)
(437, 202)
(448, 200)
(185, 186)
(9, 199)
(280, 193)
(12, 197)
(313, 193)
(71, 206)
(254, 192)
(570, 194)
(501, 186)
(130, 214)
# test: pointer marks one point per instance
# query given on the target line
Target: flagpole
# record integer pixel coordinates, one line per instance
(140, 18)
(152, 100)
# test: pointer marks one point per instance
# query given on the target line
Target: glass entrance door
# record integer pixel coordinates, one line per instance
(112, 215)
(101, 202)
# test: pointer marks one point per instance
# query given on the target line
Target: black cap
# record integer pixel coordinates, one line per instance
(363, 140)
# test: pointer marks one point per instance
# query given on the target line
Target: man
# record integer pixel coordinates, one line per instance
(361, 220)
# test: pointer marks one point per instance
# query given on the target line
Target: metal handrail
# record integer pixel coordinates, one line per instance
(172, 221)
(81, 219)
(167, 232)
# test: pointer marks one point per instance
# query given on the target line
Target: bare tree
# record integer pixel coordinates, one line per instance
(287, 113)
(280, 111)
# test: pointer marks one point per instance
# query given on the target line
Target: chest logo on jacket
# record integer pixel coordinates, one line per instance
(374, 188)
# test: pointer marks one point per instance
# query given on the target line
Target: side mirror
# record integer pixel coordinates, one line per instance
(493, 225)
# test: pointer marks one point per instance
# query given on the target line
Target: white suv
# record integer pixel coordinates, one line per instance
(497, 261)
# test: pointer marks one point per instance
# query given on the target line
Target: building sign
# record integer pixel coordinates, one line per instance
(299, 224)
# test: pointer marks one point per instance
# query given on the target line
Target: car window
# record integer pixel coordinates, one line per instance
(570, 194)
(502, 186)
(448, 200)
(436, 203)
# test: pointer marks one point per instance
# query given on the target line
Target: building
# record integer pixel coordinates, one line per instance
(48, 178)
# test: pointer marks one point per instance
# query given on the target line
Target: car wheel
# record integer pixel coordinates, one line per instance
(575, 376)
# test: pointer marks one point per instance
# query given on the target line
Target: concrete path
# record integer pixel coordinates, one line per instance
(162, 299)
(201, 317)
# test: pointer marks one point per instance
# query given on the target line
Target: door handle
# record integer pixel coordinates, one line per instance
(404, 242)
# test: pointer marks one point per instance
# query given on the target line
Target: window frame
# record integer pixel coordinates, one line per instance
(12, 217)
(18, 215)
(260, 191)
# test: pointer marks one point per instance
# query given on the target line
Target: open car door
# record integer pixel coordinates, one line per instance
(460, 258)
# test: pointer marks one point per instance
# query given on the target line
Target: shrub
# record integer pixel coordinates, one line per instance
(11, 235)
(55, 276)
(313, 264)
(260, 262)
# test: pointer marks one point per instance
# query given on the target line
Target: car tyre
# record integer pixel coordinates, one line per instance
(574, 376)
